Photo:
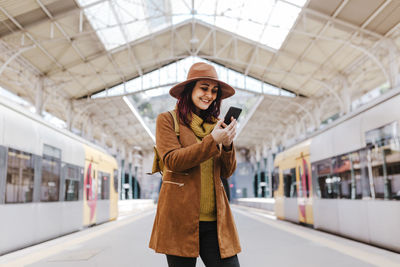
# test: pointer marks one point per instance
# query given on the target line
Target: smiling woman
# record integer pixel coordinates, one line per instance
(193, 215)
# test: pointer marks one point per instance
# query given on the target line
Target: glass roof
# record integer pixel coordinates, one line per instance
(118, 22)
(164, 78)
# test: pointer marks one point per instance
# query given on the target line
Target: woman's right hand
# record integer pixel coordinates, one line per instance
(221, 134)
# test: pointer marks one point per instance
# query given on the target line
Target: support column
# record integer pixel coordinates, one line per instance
(130, 176)
(103, 137)
(317, 116)
(89, 130)
(266, 175)
(386, 188)
(136, 158)
(353, 179)
(270, 169)
(114, 147)
(70, 115)
(258, 178)
(123, 156)
(122, 179)
(346, 95)
(136, 191)
(272, 153)
(39, 101)
(370, 174)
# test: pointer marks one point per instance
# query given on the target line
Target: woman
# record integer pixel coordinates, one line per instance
(193, 215)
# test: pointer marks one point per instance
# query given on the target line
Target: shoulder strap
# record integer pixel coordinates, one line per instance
(176, 123)
(158, 165)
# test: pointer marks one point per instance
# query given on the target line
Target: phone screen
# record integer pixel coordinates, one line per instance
(232, 112)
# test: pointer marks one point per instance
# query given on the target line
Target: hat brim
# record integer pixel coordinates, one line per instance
(226, 89)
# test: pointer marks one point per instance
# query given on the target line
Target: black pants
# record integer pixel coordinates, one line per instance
(209, 251)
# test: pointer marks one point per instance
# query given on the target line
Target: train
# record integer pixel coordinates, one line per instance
(52, 182)
(345, 179)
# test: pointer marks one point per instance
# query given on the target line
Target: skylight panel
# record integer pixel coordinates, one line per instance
(117, 90)
(132, 19)
(299, 3)
(226, 23)
(176, 72)
(136, 30)
(120, 21)
(282, 19)
(255, 85)
(267, 22)
(133, 85)
(250, 30)
(87, 2)
(269, 89)
(274, 37)
(284, 15)
(180, 11)
(129, 11)
(110, 43)
(228, 14)
(157, 17)
(105, 24)
(257, 11)
(230, 8)
(205, 10)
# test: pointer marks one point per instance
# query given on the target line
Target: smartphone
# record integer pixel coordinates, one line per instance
(232, 112)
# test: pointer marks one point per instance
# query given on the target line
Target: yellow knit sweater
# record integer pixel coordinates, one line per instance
(208, 211)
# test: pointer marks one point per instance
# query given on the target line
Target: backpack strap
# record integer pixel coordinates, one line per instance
(158, 164)
(176, 123)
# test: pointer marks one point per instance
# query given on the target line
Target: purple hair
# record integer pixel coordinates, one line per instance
(186, 106)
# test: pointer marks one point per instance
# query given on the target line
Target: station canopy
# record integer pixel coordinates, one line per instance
(109, 64)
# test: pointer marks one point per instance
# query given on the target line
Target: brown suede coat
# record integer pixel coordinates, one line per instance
(176, 225)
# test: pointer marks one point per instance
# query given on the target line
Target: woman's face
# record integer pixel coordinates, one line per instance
(204, 93)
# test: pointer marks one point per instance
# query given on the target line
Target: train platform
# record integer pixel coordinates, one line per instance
(265, 241)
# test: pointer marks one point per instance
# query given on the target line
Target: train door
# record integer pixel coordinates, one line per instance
(304, 189)
(90, 193)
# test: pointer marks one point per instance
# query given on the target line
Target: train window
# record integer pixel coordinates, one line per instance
(383, 149)
(20, 175)
(275, 179)
(71, 190)
(289, 183)
(339, 177)
(72, 182)
(116, 180)
(385, 165)
(326, 183)
(49, 190)
(293, 185)
(347, 175)
(105, 186)
(99, 184)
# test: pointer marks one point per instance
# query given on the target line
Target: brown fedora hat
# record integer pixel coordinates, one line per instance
(200, 71)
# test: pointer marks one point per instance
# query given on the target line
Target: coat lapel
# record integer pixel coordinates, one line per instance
(187, 136)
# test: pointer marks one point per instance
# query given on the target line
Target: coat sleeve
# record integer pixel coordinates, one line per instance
(176, 157)
(228, 162)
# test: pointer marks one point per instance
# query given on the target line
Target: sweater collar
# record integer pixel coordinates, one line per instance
(199, 127)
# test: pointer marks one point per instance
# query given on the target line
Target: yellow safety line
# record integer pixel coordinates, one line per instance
(374, 259)
(41, 254)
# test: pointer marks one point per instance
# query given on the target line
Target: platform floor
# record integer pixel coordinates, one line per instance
(265, 242)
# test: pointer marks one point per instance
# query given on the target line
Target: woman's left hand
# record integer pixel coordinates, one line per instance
(231, 133)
